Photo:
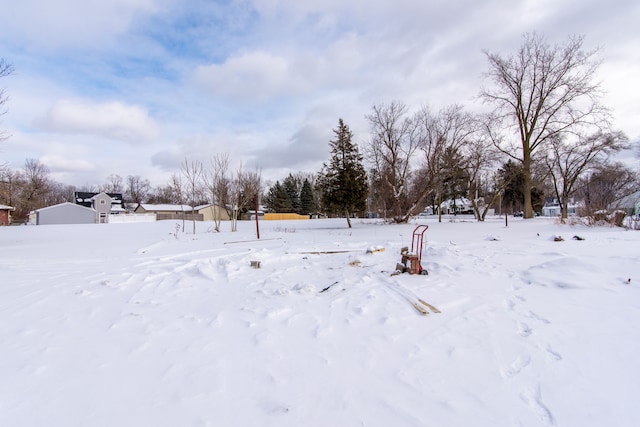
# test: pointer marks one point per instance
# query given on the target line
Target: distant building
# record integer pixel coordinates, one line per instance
(63, 213)
(86, 199)
(89, 208)
(457, 206)
(164, 211)
(212, 212)
(630, 204)
(5, 214)
(552, 207)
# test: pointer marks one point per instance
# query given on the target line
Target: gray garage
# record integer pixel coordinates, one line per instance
(64, 213)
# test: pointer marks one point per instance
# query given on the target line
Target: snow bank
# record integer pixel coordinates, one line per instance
(127, 325)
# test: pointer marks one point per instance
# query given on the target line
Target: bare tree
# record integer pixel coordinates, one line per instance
(59, 193)
(604, 188)
(539, 94)
(137, 189)
(446, 131)
(393, 143)
(177, 187)
(192, 172)
(216, 181)
(5, 70)
(481, 158)
(31, 188)
(242, 189)
(567, 161)
(114, 184)
(35, 185)
(89, 188)
(9, 185)
(163, 194)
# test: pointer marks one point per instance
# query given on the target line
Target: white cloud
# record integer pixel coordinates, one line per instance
(204, 147)
(262, 76)
(113, 120)
(60, 163)
(265, 80)
(70, 23)
(254, 76)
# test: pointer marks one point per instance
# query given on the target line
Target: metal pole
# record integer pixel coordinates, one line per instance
(255, 203)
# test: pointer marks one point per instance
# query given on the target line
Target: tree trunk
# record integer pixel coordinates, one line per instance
(216, 218)
(348, 219)
(564, 212)
(404, 219)
(526, 169)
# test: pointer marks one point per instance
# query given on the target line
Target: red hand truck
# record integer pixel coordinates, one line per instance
(415, 256)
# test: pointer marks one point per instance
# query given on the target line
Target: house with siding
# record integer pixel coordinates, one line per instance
(630, 204)
(102, 203)
(166, 211)
(212, 212)
(553, 207)
(5, 214)
(87, 199)
(105, 204)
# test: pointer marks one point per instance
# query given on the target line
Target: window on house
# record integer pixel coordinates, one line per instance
(103, 202)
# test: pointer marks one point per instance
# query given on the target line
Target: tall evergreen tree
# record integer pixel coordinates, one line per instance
(344, 181)
(307, 199)
(513, 176)
(291, 185)
(277, 199)
(455, 179)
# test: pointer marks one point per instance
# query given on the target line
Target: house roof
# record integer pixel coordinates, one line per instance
(86, 196)
(172, 208)
(463, 201)
(630, 200)
(207, 206)
(99, 194)
(63, 204)
(7, 208)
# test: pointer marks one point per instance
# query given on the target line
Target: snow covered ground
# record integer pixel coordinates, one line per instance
(127, 325)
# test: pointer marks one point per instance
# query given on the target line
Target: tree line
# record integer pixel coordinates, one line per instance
(544, 134)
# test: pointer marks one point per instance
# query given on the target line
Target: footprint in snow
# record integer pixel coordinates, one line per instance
(552, 354)
(524, 330)
(532, 397)
(275, 408)
(509, 304)
(516, 366)
(537, 317)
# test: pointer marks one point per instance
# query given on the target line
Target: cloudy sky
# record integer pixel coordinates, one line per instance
(132, 87)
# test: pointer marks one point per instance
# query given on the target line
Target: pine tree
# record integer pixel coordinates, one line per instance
(291, 185)
(344, 181)
(512, 175)
(455, 179)
(277, 199)
(307, 200)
